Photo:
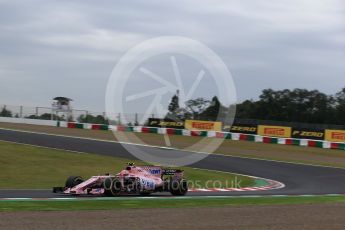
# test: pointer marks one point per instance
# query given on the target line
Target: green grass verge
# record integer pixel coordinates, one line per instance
(188, 202)
(23, 166)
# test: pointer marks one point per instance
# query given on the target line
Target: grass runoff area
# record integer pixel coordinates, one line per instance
(28, 167)
(184, 202)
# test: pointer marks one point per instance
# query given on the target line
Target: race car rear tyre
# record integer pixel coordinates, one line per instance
(178, 187)
(116, 187)
(73, 181)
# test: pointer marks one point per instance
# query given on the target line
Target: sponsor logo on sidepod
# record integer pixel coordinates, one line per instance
(155, 171)
(147, 184)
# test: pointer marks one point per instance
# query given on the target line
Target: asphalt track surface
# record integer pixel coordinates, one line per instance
(298, 179)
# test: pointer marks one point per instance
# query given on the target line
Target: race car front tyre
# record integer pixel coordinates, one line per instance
(112, 187)
(73, 181)
(107, 183)
(58, 189)
(178, 187)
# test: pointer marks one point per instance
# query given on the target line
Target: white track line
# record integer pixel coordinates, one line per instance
(165, 198)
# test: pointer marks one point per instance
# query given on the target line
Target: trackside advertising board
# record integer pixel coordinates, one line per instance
(203, 125)
(274, 131)
(165, 123)
(314, 134)
(239, 128)
(335, 135)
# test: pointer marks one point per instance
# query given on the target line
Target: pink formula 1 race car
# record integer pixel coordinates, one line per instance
(141, 180)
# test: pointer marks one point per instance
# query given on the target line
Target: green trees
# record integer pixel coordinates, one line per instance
(93, 119)
(46, 116)
(215, 111)
(196, 107)
(5, 113)
(173, 108)
(340, 106)
(174, 104)
(298, 105)
(212, 111)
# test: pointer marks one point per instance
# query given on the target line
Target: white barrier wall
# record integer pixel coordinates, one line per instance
(27, 121)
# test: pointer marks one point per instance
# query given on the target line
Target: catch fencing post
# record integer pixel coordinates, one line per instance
(136, 123)
(119, 119)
